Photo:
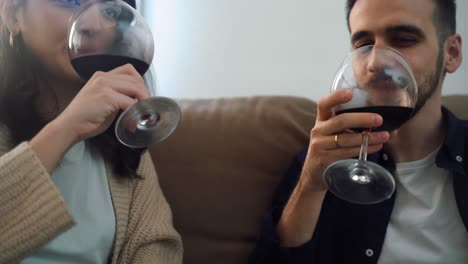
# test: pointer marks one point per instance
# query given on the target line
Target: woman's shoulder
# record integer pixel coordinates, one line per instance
(146, 169)
(147, 175)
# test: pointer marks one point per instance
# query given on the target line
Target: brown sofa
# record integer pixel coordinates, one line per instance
(220, 168)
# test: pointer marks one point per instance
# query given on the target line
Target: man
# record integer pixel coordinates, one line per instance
(426, 219)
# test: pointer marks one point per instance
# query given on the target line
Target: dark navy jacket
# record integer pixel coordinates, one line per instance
(353, 233)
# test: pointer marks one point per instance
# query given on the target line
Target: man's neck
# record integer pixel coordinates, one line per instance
(421, 135)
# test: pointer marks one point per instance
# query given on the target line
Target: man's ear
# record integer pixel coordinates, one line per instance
(453, 53)
(9, 15)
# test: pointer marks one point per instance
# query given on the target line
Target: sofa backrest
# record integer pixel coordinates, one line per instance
(220, 168)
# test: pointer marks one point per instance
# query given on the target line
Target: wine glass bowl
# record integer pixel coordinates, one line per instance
(105, 34)
(382, 82)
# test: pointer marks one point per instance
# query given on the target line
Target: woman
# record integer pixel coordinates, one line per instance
(69, 192)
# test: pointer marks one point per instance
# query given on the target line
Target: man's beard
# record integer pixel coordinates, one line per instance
(428, 86)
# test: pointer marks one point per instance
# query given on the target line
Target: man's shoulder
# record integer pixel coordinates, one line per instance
(295, 167)
(301, 155)
(453, 120)
(455, 116)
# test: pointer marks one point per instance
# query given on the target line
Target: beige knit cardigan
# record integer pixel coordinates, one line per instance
(32, 212)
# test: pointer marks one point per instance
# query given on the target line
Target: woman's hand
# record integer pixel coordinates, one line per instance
(90, 113)
(94, 108)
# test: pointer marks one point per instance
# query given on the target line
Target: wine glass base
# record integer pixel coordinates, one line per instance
(361, 182)
(147, 122)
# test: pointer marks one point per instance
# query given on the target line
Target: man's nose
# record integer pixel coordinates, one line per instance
(377, 59)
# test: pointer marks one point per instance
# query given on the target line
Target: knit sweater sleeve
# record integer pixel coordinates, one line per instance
(152, 237)
(32, 211)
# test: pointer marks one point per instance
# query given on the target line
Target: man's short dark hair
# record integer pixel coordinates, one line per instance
(444, 16)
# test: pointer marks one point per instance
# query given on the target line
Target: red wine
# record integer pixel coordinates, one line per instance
(393, 116)
(87, 65)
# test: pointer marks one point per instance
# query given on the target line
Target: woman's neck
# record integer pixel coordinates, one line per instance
(55, 95)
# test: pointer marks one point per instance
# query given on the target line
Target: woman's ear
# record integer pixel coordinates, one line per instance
(9, 16)
(453, 53)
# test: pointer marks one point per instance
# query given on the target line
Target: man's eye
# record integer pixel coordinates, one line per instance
(362, 44)
(403, 41)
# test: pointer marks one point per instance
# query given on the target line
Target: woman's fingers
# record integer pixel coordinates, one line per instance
(101, 98)
(121, 83)
(129, 73)
(126, 69)
(121, 101)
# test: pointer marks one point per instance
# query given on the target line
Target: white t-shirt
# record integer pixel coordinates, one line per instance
(425, 225)
(81, 179)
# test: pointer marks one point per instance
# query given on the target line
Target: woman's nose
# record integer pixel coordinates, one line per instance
(91, 23)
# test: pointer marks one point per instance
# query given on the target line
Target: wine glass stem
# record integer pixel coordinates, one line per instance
(364, 144)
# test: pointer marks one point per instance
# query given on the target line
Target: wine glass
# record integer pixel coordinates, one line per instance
(105, 34)
(382, 82)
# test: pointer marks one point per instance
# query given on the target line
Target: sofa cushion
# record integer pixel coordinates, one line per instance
(458, 104)
(220, 167)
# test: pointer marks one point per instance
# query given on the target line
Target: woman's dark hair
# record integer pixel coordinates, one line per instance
(444, 17)
(19, 88)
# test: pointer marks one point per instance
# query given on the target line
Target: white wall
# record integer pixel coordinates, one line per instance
(224, 48)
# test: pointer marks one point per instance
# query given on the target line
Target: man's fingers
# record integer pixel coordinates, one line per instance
(349, 121)
(325, 104)
(348, 153)
(350, 140)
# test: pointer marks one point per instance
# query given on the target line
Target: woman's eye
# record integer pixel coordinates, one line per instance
(110, 13)
(71, 2)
